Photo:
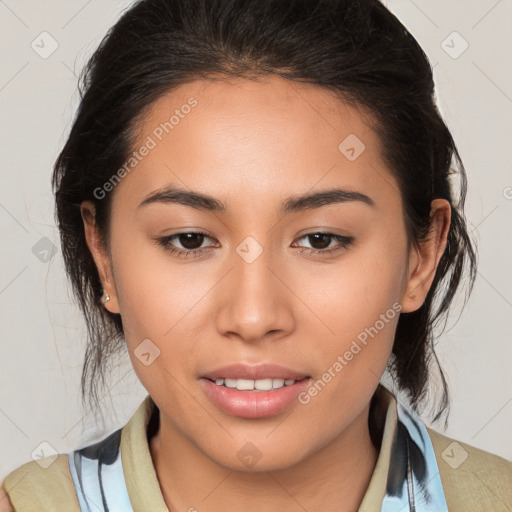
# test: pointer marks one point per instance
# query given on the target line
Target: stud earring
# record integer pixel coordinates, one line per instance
(105, 298)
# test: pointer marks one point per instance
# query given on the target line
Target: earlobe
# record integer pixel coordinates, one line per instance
(425, 257)
(100, 256)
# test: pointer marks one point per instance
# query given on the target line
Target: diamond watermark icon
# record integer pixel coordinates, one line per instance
(351, 147)
(44, 250)
(249, 249)
(249, 454)
(44, 45)
(146, 352)
(454, 455)
(454, 45)
(44, 454)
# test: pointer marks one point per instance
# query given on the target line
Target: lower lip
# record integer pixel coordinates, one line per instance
(254, 404)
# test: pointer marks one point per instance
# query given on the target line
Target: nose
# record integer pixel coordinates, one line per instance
(255, 301)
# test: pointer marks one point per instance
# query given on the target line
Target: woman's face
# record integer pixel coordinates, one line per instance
(252, 291)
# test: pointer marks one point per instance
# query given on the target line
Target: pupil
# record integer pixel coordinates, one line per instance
(188, 241)
(322, 236)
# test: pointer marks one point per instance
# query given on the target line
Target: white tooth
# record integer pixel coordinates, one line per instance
(263, 384)
(258, 385)
(244, 384)
(277, 383)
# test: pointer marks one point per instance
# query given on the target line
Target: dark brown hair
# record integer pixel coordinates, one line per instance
(356, 48)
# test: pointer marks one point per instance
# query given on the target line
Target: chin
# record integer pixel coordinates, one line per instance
(251, 457)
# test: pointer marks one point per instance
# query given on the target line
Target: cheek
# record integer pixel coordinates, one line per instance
(358, 302)
(153, 304)
(352, 294)
(161, 300)
(153, 290)
(359, 306)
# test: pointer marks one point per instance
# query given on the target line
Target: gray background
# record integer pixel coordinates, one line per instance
(43, 335)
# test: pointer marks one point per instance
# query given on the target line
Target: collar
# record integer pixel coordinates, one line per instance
(118, 472)
(406, 476)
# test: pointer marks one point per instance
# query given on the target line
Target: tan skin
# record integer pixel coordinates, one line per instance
(252, 145)
(5, 502)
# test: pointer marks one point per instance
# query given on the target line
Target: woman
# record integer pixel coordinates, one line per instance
(255, 199)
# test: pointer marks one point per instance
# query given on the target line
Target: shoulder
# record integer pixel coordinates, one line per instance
(45, 484)
(473, 479)
(52, 482)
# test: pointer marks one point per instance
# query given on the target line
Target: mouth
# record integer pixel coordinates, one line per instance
(254, 392)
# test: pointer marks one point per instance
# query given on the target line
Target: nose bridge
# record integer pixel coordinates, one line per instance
(255, 302)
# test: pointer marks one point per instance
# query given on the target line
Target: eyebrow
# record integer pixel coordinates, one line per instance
(296, 203)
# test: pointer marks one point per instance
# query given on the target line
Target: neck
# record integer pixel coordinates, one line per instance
(333, 479)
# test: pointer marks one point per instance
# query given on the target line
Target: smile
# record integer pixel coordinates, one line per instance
(259, 398)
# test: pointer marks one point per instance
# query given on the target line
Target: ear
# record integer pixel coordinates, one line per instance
(425, 256)
(99, 254)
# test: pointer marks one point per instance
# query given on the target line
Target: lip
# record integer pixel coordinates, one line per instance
(252, 372)
(254, 404)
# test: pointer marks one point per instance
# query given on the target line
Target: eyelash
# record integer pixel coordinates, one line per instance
(165, 242)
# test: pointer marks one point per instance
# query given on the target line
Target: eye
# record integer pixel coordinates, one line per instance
(190, 241)
(321, 242)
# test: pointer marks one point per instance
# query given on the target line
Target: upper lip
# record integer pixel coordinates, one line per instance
(261, 371)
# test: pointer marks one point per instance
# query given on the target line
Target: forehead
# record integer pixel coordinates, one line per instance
(270, 135)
